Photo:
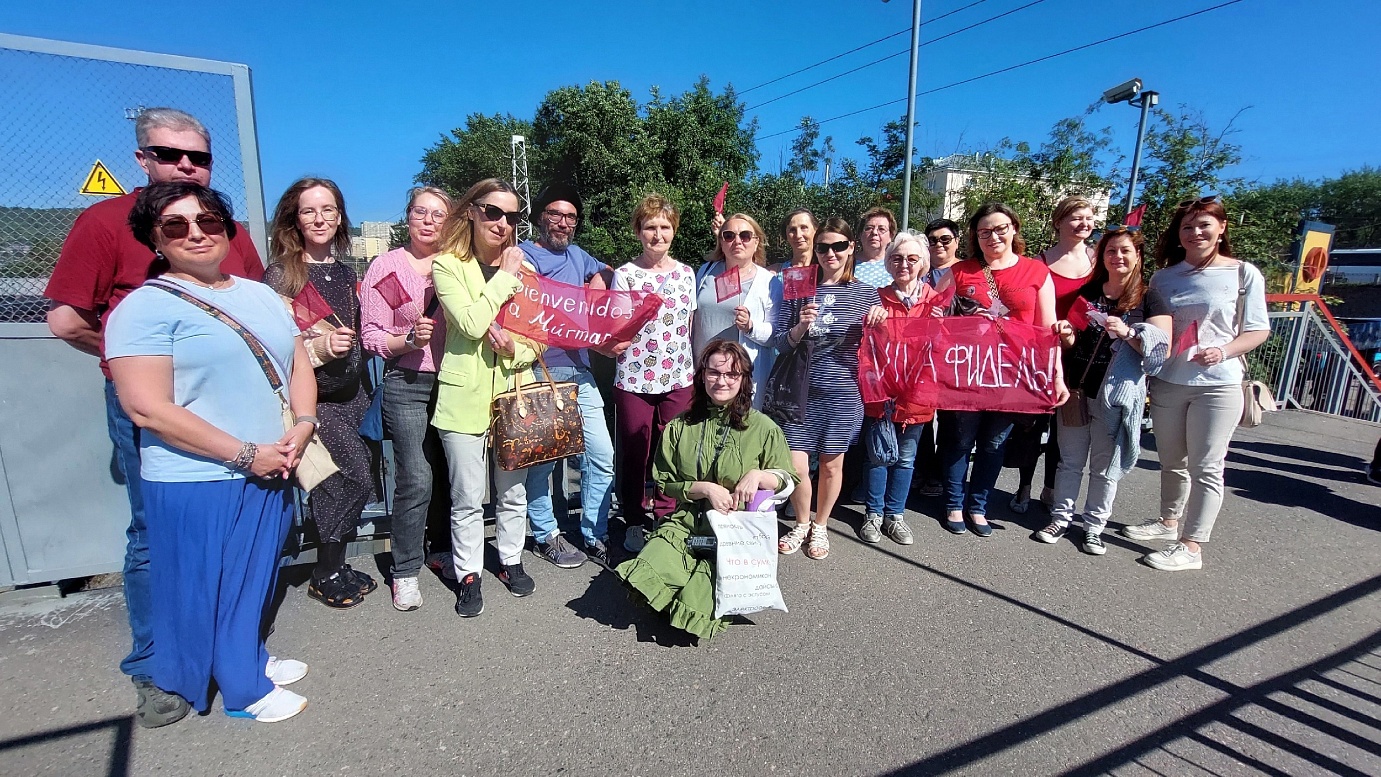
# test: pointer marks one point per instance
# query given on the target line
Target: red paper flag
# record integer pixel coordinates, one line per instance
(1078, 314)
(727, 284)
(1134, 218)
(393, 291)
(798, 282)
(719, 198)
(310, 307)
(1188, 339)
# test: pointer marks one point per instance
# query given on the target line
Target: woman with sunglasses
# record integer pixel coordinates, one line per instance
(1196, 399)
(310, 230)
(1116, 291)
(478, 270)
(831, 325)
(215, 461)
(1071, 263)
(399, 323)
(798, 233)
(942, 236)
(909, 296)
(1024, 293)
(654, 373)
(745, 317)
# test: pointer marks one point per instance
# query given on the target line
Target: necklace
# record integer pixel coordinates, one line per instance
(213, 285)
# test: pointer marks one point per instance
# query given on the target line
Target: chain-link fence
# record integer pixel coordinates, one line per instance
(71, 106)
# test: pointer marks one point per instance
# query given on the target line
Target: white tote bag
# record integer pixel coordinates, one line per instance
(745, 579)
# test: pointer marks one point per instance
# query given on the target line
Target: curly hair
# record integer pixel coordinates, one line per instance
(740, 406)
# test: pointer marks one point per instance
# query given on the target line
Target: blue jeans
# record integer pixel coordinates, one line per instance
(419, 465)
(596, 467)
(138, 591)
(959, 431)
(889, 486)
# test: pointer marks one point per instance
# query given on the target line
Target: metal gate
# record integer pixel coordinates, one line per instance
(68, 106)
(1310, 365)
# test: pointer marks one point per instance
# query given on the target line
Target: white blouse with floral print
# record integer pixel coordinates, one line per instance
(660, 358)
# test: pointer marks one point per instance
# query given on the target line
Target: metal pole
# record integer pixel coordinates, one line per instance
(1148, 99)
(911, 115)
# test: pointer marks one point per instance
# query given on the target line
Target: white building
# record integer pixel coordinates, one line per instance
(365, 247)
(379, 229)
(951, 175)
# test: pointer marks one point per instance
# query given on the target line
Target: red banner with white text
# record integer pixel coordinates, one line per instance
(960, 363)
(566, 316)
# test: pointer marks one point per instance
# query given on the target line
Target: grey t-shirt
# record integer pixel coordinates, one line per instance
(1203, 304)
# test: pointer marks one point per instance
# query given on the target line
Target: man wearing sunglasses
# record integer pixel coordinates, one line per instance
(557, 211)
(100, 264)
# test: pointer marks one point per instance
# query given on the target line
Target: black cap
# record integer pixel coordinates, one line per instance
(558, 191)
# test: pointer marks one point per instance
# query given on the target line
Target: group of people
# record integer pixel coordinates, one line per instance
(219, 387)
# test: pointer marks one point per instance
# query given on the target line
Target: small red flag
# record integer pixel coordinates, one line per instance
(310, 307)
(1134, 218)
(799, 282)
(1078, 313)
(727, 284)
(1188, 339)
(392, 290)
(719, 198)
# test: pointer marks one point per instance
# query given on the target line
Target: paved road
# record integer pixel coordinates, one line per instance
(955, 655)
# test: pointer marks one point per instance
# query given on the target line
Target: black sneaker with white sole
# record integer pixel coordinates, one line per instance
(471, 600)
(1093, 544)
(1050, 534)
(518, 582)
(598, 552)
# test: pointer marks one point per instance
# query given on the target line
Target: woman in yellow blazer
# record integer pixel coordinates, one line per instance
(475, 274)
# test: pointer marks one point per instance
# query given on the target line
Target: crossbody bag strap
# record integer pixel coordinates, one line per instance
(1241, 311)
(255, 347)
(994, 295)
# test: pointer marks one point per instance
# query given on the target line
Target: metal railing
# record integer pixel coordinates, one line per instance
(1310, 364)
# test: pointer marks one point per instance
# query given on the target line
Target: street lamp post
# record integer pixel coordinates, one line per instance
(910, 114)
(1131, 93)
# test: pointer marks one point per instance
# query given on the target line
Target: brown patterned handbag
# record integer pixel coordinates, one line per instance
(537, 422)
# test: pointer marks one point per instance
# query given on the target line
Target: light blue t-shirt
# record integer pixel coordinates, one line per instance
(214, 373)
(573, 266)
(873, 273)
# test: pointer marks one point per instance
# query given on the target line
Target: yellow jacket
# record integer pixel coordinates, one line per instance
(471, 372)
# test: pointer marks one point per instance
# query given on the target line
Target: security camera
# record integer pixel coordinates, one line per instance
(1123, 92)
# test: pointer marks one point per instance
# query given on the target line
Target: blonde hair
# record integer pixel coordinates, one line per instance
(458, 233)
(1065, 207)
(653, 205)
(759, 256)
(440, 194)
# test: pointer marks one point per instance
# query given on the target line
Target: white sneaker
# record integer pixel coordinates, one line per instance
(284, 671)
(1175, 557)
(279, 704)
(1151, 530)
(406, 595)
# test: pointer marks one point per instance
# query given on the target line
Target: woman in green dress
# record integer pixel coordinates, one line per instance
(717, 455)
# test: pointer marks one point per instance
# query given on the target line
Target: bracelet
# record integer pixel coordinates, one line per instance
(411, 339)
(311, 419)
(245, 458)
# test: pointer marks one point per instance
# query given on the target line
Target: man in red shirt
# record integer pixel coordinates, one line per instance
(100, 264)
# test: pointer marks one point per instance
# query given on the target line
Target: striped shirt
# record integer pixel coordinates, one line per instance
(837, 331)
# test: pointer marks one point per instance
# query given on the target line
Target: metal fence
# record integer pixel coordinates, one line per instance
(1308, 366)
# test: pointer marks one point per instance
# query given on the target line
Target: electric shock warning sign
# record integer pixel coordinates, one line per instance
(100, 183)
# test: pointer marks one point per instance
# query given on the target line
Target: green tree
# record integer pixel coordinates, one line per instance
(1185, 158)
(481, 149)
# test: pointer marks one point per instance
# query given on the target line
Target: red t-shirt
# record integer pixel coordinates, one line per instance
(101, 262)
(1018, 285)
(1066, 291)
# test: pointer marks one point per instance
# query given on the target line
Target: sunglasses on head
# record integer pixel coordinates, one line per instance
(494, 213)
(171, 156)
(1200, 200)
(178, 227)
(746, 236)
(839, 247)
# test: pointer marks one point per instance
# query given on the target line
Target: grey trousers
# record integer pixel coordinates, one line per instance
(1193, 426)
(468, 459)
(1079, 445)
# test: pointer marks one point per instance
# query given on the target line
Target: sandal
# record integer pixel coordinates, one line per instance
(792, 540)
(819, 546)
(362, 580)
(338, 591)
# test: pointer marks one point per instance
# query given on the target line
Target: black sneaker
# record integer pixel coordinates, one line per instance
(598, 552)
(156, 707)
(1093, 544)
(471, 601)
(518, 581)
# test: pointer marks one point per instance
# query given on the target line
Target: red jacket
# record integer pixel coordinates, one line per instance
(906, 413)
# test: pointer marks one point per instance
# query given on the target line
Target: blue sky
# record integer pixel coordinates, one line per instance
(358, 90)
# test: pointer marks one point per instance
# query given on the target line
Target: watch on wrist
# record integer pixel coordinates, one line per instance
(311, 419)
(411, 339)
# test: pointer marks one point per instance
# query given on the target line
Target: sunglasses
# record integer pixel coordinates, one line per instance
(941, 241)
(171, 156)
(839, 247)
(746, 236)
(1200, 200)
(178, 227)
(494, 213)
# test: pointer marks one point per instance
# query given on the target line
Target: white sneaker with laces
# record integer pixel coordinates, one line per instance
(284, 671)
(1151, 530)
(280, 704)
(406, 595)
(1176, 556)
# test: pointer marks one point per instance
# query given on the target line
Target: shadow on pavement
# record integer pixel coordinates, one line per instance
(123, 730)
(1299, 453)
(1273, 488)
(607, 601)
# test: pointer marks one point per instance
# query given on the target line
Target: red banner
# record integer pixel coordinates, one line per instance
(960, 363)
(567, 316)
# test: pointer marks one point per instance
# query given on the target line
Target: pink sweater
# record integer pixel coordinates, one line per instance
(378, 320)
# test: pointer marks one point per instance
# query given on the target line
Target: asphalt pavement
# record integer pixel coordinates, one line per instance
(955, 655)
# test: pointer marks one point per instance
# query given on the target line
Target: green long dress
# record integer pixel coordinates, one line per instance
(665, 573)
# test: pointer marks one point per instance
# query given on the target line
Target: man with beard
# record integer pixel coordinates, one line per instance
(875, 231)
(557, 213)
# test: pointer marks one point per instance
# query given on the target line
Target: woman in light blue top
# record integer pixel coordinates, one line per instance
(744, 317)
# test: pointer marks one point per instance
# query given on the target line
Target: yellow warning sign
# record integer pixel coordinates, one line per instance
(100, 183)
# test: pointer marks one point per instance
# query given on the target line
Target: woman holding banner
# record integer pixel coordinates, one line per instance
(476, 273)
(1216, 308)
(737, 297)
(1000, 283)
(1102, 324)
(652, 384)
(718, 455)
(398, 322)
(310, 230)
(909, 296)
(830, 325)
